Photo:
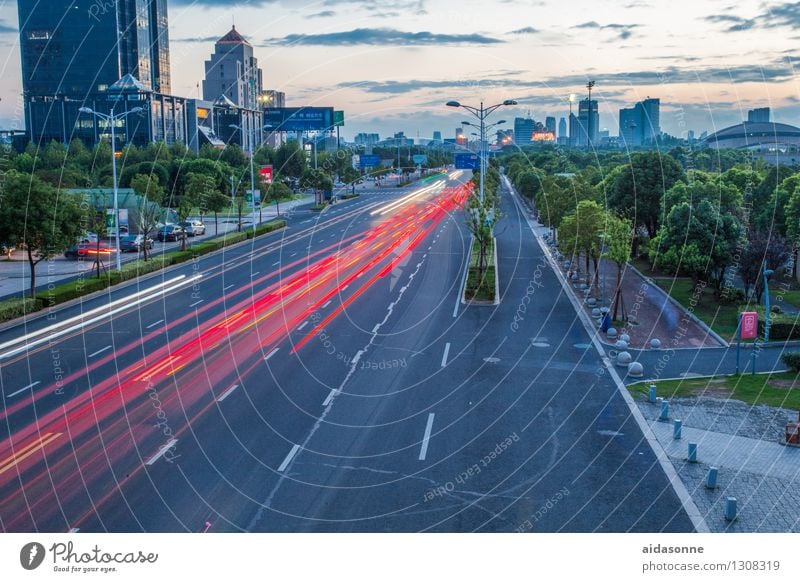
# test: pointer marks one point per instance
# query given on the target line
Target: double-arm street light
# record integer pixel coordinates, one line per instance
(482, 113)
(111, 119)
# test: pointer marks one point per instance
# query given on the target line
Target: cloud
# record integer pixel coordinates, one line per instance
(733, 23)
(323, 14)
(526, 30)
(382, 37)
(7, 29)
(786, 14)
(623, 31)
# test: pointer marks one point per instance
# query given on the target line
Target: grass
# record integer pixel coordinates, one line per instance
(722, 318)
(775, 389)
(481, 290)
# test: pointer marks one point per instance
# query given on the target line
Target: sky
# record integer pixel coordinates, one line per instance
(392, 64)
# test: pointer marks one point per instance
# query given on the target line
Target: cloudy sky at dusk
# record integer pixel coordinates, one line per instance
(391, 64)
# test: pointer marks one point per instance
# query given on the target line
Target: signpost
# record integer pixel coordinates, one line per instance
(300, 118)
(747, 329)
(369, 160)
(420, 159)
(467, 161)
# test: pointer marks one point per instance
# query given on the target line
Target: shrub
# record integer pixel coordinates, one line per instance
(14, 308)
(267, 227)
(792, 359)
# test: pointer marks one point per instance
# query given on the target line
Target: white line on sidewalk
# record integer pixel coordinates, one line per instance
(276, 263)
(423, 452)
(446, 352)
(21, 390)
(98, 352)
(255, 274)
(288, 458)
(227, 393)
(152, 325)
(161, 452)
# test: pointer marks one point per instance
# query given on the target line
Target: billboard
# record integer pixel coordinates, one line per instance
(543, 136)
(420, 159)
(248, 197)
(266, 174)
(370, 160)
(299, 118)
(467, 162)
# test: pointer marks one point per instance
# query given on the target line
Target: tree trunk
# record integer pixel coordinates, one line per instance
(216, 224)
(32, 264)
(617, 292)
(588, 273)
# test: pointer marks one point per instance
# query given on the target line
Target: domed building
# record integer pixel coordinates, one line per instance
(759, 136)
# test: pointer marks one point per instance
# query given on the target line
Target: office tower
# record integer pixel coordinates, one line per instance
(523, 130)
(576, 131)
(630, 127)
(588, 122)
(640, 124)
(70, 48)
(651, 120)
(232, 72)
(461, 139)
(760, 115)
(550, 124)
(562, 128)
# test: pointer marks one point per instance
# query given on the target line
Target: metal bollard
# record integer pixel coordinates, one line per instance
(730, 508)
(692, 452)
(664, 411)
(676, 428)
(711, 478)
(652, 394)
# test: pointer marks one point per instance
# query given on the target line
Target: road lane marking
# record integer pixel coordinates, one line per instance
(94, 315)
(227, 393)
(75, 530)
(446, 352)
(152, 325)
(27, 451)
(272, 353)
(254, 274)
(196, 303)
(326, 304)
(98, 352)
(228, 287)
(161, 452)
(423, 452)
(276, 264)
(288, 458)
(21, 390)
(302, 325)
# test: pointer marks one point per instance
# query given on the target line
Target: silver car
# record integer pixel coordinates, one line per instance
(194, 227)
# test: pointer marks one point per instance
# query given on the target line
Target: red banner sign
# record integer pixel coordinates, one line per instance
(266, 174)
(749, 328)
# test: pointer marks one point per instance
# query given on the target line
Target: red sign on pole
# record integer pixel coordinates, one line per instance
(266, 174)
(749, 328)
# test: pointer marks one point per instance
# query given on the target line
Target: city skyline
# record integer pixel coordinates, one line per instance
(392, 68)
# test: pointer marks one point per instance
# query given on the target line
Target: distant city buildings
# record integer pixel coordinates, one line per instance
(367, 139)
(232, 71)
(437, 136)
(523, 131)
(640, 125)
(760, 115)
(550, 124)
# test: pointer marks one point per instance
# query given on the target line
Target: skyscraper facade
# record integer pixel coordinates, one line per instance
(523, 131)
(640, 125)
(760, 115)
(550, 124)
(562, 128)
(232, 72)
(588, 123)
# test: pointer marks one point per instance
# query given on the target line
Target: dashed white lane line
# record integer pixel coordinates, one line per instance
(152, 325)
(272, 353)
(21, 390)
(446, 352)
(75, 530)
(227, 393)
(196, 303)
(293, 255)
(326, 304)
(302, 325)
(276, 263)
(228, 287)
(423, 452)
(254, 274)
(288, 458)
(98, 352)
(161, 452)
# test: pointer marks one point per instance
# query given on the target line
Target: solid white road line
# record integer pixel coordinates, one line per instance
(161, 452)
(302, 325)
(98, 352)
(446, 352)
(272, 353)
(227, 393)
(288, 458)
(423, 452)
(152, 325)
(21, 390)
(75, 530)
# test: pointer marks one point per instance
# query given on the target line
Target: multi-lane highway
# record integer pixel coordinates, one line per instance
(327, 378)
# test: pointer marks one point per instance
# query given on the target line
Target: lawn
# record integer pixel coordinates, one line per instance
(722, 318)
(776, 389)
(481, 290)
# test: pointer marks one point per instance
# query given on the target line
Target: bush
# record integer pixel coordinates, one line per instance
(73, 290)
(792, 359)
(14, 308)
(267, 227)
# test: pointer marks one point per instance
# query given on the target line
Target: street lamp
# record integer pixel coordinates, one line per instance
(482, 113)
(767, 274)
(111, 119)
(250, 140)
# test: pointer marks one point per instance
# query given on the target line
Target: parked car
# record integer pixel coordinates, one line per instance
(134, 243)
(170, 232)
(193, 227)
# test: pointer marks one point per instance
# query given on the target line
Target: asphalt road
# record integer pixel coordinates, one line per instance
(327, 378)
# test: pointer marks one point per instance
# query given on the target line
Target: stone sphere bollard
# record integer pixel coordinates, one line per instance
(591, 301)
(624, 359)
(621, 344)
(625, 337)
(635, 370)
(655, 343)
(596, 312)
(611, 333)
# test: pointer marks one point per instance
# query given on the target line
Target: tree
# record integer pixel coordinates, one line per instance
(639, 187)
(150, 210)
(290, 160)
(761, 247)
(215, 202)
(274, 192)
(317, 180)
(481, 218)
(38, 216)
(581, 233)
(618, 238)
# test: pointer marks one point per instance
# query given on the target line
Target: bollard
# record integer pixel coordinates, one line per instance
(692, 452)
(635, 370)
(730, 508)
(711, 478)
(652, 396)
(655, 343)
(664, 411)
(676, 429)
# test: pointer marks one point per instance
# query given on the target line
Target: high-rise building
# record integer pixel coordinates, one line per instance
(575, 131)
(232, 71)
(523, 131)
(562, 128)
(640, 124)
(68, 49)
(651, 118)
(367, 139)
(630, 127)
(588, 122)
(760, 115)
(461, 139)
(550, 124)
(437, 136)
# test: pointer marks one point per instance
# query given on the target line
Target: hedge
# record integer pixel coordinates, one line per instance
(781, 326)
(792, 359)
(13, 308)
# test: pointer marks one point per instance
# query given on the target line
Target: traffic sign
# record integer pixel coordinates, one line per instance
(338, 118)
(420, 159)
(370, 160)
(466, 161)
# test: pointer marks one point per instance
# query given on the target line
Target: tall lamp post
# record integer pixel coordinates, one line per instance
(251, 139)
(482, 113)
(111, 119)
(767, 274)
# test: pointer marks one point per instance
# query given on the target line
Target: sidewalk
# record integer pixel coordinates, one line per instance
(15, 273)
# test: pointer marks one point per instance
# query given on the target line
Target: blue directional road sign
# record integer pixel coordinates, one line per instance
(467, 161)
(369, 160)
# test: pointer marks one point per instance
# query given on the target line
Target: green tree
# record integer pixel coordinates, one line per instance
(618, 238)
(580, 234)
(318, 181)
(275, 192)
(290, 160)
(38, 216)
(150, 208)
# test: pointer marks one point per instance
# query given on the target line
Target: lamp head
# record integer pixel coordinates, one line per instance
(136, 110)
(453, 104)
(85, 110)
(509, 102)
(769, 273)
(501, 122)
(232, 126)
